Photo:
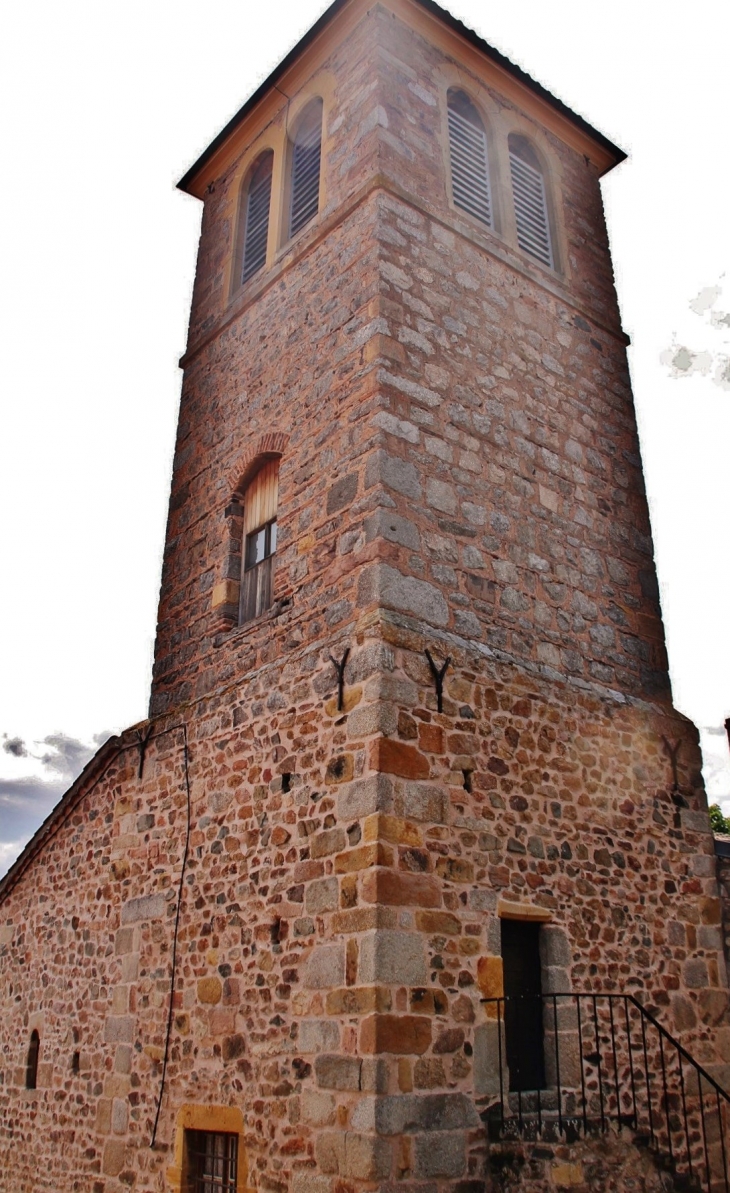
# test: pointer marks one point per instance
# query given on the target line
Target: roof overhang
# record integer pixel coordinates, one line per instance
(609, 156)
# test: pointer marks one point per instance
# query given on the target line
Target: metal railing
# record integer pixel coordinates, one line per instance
(607, 1063)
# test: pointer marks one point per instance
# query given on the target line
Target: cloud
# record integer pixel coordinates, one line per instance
(26, 801)
(9, 851)
(15, 746)
(705, 299)
(684, 362)
(722, 372)
(715, 763)
(68, 755)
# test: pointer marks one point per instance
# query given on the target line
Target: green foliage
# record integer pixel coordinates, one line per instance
(720, 823)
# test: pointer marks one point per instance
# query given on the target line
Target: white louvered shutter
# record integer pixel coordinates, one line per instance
(258, 205)
(306, 160)
(533, 229)
(469, 160)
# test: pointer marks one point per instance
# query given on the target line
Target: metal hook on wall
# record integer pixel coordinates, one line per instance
(673, 752)
(438, 678)
(144, 739)
(340, 669)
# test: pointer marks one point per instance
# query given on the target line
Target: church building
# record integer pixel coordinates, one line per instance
(408, 880)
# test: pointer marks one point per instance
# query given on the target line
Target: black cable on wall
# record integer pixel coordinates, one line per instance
(168, 1031)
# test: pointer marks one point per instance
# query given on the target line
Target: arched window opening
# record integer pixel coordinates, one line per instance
(257, 208)
(306, 155)
(260, 504)
(31, 1069)
(530, 199)
(469, 158)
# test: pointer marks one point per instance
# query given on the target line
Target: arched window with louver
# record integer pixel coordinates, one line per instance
(256, 219)
(530, 199)
(306, 156)
(469, 158)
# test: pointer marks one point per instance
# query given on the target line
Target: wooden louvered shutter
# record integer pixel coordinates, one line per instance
(260, 505)
(531, 215)
(469, 158)
(258, 204)
(305, 168)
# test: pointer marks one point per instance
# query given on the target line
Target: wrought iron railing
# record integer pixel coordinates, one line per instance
(606, 1063)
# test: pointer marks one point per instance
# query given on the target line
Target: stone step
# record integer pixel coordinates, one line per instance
(550, 1118)
(550, 1128)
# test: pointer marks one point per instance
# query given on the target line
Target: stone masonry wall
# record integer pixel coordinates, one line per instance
(349, 149)
(231, 398)
(413, 150)
(723, 882)
(510, 468)
(611, 1163)
(459, 473)
(505, 416)
(294, 349)
(336, 937)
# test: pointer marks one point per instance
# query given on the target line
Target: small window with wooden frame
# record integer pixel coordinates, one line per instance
(209, 1152)
(210, 1162)
(260, 505)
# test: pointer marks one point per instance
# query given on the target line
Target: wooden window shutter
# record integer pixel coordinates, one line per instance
(305, 168)
(469, 158)
(528, 189)
(258, 205)
(260, 506)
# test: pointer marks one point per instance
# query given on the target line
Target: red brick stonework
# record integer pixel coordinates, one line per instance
(723, 879)
(319, 881)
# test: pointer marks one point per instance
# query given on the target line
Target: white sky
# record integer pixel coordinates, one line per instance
(102, 109)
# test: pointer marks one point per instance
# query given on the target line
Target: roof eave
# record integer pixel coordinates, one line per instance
(613, 151)
(185, 183)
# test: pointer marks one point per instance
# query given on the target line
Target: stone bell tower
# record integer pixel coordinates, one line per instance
(410, 714)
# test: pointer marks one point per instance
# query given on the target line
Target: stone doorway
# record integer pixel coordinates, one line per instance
(523, 1014)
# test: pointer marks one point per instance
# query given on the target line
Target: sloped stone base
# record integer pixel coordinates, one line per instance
(612, 1162)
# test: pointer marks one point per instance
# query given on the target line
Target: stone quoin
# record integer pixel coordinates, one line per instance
(410, 724)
